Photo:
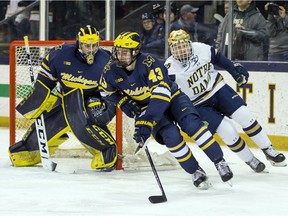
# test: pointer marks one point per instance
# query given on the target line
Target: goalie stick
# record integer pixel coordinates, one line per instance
(156, 198)
(39, 122)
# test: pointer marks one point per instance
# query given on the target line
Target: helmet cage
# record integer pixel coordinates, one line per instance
(88, 43)
(182, 51)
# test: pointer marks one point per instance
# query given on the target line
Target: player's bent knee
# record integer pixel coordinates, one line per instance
(191, 124)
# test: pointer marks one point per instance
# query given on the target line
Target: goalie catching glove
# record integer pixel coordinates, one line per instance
(240, 74)
(129, 107)
(99, 111)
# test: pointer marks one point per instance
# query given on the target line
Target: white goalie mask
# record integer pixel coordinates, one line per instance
(180, 45)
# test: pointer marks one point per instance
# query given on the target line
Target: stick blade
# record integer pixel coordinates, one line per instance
(157, 199)
(49, 165)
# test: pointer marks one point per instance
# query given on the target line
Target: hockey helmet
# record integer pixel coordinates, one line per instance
(88, 41)
(180, 45)
(126, 42)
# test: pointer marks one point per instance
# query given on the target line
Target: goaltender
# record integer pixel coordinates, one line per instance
(77, 69)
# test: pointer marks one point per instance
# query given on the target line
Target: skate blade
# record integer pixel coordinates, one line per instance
(264, 171)
(204, 185)
(229, 183)
(280, 164)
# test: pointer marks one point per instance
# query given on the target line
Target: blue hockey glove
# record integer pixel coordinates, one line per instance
(129, 107)
(143, 130)
(240, 74)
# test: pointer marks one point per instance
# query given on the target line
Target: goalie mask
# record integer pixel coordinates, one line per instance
(126, 48)
(180, 45)
(88, 41)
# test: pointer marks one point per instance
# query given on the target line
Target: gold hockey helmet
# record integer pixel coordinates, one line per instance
(180, 45)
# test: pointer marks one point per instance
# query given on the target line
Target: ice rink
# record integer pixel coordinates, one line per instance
(33, 191)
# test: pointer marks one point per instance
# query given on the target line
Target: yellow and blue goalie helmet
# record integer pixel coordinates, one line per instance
(180, 45)
(124, 41)
(88, 40)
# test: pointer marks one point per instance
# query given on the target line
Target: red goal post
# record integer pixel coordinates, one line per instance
(19, 86)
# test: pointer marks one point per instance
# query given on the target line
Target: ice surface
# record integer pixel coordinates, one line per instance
(34, 191)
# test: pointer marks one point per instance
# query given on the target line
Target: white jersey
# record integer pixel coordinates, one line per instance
(197, 78)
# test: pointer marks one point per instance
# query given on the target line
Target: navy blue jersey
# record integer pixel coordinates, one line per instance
(148, 85)
(65, 64)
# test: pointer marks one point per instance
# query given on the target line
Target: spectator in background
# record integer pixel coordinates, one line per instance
(250, 32)
(198, 32)
(218, 16)
(152, 36)
(19, 26)
(278, 30)
(226, 6)
(157, 11)
(174, 12)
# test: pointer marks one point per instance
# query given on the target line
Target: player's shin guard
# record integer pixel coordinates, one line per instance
(196, 129)
(231, 138)
(178, 148)
(184, 156)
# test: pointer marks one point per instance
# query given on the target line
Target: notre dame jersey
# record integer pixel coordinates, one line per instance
(65, 64)
(197, 78)
(148, 85)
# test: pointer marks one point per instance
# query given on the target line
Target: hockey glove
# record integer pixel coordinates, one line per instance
(95, 106)
(143, 130)
(129, 107)
(240, 74)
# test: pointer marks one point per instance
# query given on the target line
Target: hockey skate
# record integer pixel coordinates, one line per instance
(256, 165)
(224, 170)
(276, 158)
(200, 179)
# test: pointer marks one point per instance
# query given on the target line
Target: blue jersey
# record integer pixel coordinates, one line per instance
(148, 85)
(65, 64)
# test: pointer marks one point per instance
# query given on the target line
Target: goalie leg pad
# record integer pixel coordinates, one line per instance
(76, 116)
(26, 152)
(39, 100)
(20, 157)
(105, 159)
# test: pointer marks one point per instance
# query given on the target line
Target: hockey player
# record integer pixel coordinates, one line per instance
(191, 65)
(139, 85)
(77, 68)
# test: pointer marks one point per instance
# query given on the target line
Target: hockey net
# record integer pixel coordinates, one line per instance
(121, 127)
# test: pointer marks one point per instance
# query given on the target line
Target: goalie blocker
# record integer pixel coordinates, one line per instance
(97, 139)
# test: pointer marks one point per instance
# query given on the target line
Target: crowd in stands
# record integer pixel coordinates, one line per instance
(259, 33)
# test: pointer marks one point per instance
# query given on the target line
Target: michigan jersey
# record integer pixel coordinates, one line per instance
(148, 85)
(65, 64)
(197, 78)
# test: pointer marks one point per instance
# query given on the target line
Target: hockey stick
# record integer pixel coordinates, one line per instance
(157, 198)
(39, 122)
